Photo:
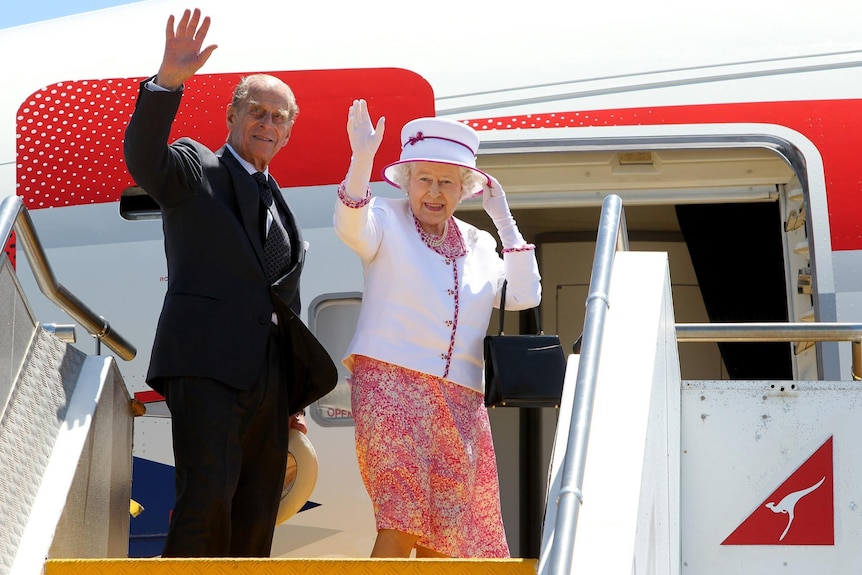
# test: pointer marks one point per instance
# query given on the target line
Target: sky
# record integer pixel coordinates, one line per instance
(18, 12)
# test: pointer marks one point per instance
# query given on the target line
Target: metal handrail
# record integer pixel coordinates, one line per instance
(13, 215)
(612, 236)
(772, 332)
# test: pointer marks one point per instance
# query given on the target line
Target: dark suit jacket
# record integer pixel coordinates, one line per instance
(217, 312)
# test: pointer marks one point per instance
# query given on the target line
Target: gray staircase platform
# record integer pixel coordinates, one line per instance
(65, 444)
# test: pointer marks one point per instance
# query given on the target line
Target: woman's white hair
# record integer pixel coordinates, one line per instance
(401, 176)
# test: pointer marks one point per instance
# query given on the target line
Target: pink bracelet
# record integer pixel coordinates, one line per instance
(350, 202)
(523, 248)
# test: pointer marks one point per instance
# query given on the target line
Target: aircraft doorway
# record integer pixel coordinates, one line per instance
(667, 194)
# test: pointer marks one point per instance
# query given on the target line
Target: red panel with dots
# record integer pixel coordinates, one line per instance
(70, 134)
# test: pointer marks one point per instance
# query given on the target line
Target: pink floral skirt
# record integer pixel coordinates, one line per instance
(427, 459)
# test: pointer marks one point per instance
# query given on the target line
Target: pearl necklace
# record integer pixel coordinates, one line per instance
(430, 239)
(450, 244)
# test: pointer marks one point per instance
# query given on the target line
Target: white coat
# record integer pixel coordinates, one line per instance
(409, 315)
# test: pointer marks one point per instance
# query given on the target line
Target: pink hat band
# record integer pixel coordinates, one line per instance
(420, 137)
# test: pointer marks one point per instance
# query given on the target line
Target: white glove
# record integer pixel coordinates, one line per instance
(496, 206)
(364, 141)
(364, 137)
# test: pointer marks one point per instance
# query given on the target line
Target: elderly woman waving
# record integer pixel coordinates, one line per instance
(423, 439)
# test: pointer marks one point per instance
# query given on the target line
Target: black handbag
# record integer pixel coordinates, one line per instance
(523, 370)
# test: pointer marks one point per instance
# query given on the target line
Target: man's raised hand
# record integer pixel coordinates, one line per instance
(183, 55)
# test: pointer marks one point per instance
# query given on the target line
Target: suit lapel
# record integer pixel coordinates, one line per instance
(247, 198)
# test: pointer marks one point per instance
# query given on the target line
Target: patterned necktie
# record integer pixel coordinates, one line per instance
(276, 246)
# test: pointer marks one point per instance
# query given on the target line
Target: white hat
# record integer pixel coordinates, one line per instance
(441, 141)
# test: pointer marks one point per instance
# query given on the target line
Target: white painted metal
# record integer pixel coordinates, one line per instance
(740, 441)
(629, 520)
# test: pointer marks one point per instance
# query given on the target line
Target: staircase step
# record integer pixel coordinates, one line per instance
(288, 566)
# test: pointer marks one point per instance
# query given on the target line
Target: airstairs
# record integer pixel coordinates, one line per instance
(650, 474)
(65, 429)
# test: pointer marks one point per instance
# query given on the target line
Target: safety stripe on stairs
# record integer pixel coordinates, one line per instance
(286, 566)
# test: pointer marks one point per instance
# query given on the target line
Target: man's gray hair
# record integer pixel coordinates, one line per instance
(242, 90)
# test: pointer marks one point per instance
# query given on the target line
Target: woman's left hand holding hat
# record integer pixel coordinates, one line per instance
(496, 206)
(494, 202)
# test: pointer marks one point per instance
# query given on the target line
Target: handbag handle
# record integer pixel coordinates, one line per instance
(503, 311)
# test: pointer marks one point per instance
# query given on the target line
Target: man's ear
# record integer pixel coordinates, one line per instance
(286, 137)
(230, 115)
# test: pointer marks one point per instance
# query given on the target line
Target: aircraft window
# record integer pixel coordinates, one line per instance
(333, 322)
(135, 204)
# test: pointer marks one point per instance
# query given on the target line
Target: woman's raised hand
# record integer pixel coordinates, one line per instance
(364, 137)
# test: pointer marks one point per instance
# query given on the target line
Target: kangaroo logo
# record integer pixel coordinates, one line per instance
(788, 504)
(805, 499)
